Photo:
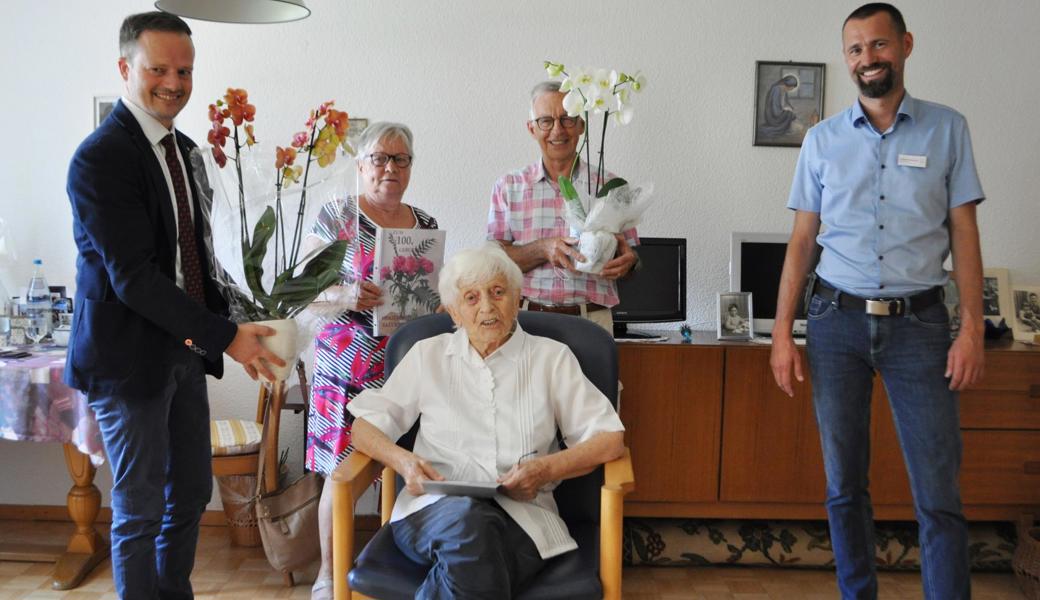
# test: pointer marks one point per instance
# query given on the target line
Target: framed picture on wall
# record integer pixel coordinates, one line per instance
(734, 316)
(1026, 320)
(102, 106)
(996, 295)
(788, 101)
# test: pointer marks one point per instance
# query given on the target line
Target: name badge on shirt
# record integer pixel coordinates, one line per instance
(912, 160)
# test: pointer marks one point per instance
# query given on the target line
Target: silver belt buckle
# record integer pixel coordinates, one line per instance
(883, 308)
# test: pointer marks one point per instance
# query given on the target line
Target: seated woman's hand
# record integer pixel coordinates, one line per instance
(415, 470)
(523, 481)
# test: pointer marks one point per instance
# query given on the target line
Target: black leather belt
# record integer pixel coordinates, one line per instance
(882, 307)
(563, 309)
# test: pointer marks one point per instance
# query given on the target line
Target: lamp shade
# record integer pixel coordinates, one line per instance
(237, 11)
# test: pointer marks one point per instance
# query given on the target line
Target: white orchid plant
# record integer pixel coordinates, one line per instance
(594, 92)
(608, 93)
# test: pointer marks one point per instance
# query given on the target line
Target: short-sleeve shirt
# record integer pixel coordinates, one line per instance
(527, 206)
(481, 416)
(884, 197)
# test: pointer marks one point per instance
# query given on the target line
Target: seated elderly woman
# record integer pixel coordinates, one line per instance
(491, 399)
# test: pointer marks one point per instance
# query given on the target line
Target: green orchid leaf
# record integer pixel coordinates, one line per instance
(293, 293)
(253, 259)
(567, 188)
(613, 183)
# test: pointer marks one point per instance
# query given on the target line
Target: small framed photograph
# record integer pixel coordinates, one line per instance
(734, 314)
(788, 101)
(996, 295)
(1026, 321)
(102, 106)
(355, 127)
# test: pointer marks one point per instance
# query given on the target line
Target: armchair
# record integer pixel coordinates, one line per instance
(591, 505)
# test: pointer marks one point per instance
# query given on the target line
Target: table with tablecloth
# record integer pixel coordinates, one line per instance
(35, 406)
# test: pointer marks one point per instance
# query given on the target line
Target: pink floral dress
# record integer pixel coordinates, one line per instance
(347, 357)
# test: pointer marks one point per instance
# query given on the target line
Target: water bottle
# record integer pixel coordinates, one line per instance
(38, 304)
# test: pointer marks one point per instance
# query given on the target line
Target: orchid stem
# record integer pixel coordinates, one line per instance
(241, 192)
(588, 151)
(298, 230)
(599, 167)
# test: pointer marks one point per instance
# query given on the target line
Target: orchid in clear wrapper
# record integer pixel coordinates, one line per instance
(595, 214)
(261, 209)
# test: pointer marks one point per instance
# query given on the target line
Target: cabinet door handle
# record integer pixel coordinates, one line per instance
(1031, 467)
(1034, 391)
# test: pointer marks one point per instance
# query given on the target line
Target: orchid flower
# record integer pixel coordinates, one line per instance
(596, 91)
(553, 69)
(574, 103)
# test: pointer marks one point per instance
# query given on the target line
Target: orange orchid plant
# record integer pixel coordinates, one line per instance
(231, 118)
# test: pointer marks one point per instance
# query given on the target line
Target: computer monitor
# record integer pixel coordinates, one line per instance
(656, 293)
(756, 261)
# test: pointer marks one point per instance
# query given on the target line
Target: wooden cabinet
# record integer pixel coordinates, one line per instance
(674, 413)
(712, 436)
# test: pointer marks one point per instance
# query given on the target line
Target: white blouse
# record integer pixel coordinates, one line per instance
(481, 416)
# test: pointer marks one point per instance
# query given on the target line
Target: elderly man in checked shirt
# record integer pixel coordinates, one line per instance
(526, 218)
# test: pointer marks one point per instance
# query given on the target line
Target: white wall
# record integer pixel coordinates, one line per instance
(458, 73)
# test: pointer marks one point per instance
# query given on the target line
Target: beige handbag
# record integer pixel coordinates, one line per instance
(288, 518)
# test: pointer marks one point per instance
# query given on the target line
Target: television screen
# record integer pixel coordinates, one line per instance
(756, 263)
(657, 292)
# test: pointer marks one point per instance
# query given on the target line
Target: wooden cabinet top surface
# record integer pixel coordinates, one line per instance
(708, 338)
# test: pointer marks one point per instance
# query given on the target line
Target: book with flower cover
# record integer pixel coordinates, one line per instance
(407, 263)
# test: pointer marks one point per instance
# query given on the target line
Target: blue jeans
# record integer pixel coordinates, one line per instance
(474, 549)
(159, 450)
(845, 347)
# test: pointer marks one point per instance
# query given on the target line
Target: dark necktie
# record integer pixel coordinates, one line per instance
(191, 265)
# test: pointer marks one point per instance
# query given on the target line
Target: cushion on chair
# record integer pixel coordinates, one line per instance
(231, 437)
(382, 571)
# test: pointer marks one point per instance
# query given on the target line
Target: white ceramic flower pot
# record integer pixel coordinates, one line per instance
(282, 343)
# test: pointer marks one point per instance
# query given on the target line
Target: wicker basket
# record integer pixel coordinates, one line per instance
(1026, 562)
(238, 495)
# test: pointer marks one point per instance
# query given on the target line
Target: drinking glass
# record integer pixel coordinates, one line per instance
(37, 329)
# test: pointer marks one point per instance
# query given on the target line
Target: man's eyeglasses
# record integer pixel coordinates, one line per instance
(546, 123)
(379, 159)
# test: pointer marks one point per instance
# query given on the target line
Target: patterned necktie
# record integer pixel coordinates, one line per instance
(191, 266)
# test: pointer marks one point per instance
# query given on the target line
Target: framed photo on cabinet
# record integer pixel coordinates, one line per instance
(734, 316)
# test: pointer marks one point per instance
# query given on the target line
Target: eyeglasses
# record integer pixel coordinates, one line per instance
(379, 159)
(546, 123)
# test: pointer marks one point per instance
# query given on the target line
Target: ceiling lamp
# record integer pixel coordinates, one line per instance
(237, 11)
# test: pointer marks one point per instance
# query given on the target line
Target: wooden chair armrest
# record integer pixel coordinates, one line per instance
(617, 474)
(358, 471)
(349, 480)
(618, 480)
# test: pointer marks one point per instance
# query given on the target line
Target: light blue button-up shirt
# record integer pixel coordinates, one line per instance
(884, 197)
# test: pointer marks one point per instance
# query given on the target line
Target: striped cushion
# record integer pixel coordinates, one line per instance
(229, 437)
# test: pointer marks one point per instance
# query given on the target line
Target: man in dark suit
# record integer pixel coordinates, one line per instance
(150, 321)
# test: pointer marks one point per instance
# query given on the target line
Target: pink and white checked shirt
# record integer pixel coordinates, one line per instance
(527, 206)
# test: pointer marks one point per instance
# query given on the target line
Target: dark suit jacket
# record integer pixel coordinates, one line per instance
(131, 320)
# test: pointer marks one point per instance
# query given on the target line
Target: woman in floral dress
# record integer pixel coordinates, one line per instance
(347, 357)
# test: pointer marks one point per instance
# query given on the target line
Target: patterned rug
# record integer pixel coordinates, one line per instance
(691, 542)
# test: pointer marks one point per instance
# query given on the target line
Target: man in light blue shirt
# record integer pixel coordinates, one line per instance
(892, 181)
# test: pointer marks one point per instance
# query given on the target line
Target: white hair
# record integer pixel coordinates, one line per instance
(545, 87)
(477, 265)
(383, 130)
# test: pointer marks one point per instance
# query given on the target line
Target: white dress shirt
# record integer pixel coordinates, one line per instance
(482, 416)
(154, 131)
